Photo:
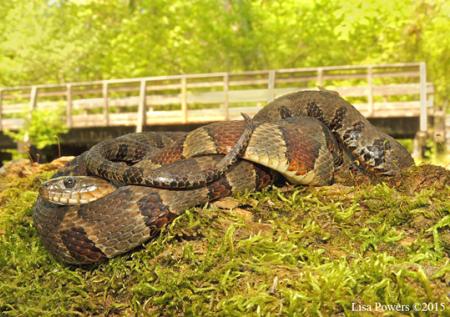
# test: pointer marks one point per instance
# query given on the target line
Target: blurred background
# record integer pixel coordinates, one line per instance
(57, 42)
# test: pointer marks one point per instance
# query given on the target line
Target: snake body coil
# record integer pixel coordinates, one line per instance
(306, 137)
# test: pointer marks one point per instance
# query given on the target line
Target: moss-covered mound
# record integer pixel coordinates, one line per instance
(285, 251)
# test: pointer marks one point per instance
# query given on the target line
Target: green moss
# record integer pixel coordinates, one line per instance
(295, 251)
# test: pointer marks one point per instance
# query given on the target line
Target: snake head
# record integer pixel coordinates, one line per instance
(75, 190)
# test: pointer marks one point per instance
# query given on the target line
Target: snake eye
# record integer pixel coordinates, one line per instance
(69, 182)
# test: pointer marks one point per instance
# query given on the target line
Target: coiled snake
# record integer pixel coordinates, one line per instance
(305, 137)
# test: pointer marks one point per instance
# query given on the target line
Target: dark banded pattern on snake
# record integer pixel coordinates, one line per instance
(305, 150)
(376, 151)
(100, 161)
(131, 215)
(302, 149)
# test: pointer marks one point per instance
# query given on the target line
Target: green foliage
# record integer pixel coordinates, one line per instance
(297, 252)
(54, 41)
(42, 128)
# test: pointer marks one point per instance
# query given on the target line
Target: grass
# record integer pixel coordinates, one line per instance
(284, 251)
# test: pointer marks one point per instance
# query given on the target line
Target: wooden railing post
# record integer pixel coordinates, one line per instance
(1, 109)
(69, 120)
(370, 91)
(423, 98)
(33, 105)
(320, 77)
(105, 93)
(23, 146)
(141, 114)
(226, 87)
(33, 98)
(421, 136)
(183, 98)
(271, 85)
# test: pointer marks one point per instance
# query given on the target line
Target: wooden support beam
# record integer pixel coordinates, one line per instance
(225, 105)
(183, 99)
(33, 98)
(370, 91)
(439, 136)
(422, 134)
(423, 98)
(105, 93)
(320, 77)
(271, 85)
(69, 106)
(23, 146)
(419, 145)
(141, 115)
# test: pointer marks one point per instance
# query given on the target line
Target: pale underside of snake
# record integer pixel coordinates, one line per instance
(304, 136)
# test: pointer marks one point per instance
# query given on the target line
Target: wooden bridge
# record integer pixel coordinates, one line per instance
(380, 92)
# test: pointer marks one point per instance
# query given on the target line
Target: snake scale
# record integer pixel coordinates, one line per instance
(304, 137)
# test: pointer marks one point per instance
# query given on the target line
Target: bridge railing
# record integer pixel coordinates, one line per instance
(378, 91)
